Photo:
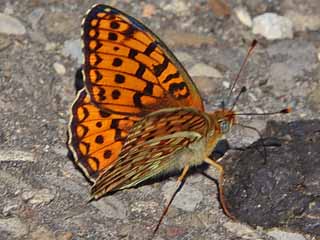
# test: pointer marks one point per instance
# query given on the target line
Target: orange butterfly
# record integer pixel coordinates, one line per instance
(139, 115)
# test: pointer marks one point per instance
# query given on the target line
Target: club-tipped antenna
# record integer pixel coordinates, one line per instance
(243, 90)
(253, 44)
(282, 111)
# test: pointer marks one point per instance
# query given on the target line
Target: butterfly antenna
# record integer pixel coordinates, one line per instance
(243, 90)
(282, 111)
(253, 45)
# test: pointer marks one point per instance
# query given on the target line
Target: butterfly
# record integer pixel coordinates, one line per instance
(139, 114)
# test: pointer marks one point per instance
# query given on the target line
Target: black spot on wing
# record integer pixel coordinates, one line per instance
(137, 99)
(107, 154)
(117, 62)
(158, 69)
(116, 94)
(104, 114)
(171, 76)
(114, 25)
(130, 31)
(140, 71)
(132, 53)
(98, 76)
(112, 36)
(148, 90)
(151, 47)
(114, 123)
(119, 78)
(101, 94)
(176, 89)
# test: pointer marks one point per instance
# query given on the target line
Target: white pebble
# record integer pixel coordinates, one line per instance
(244, 16)
(272, 26)
(11, 25)
(59, 68)
(283, 235)
(203, 70)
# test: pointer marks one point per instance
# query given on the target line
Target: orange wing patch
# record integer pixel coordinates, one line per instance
(150, 148)
(95, 136)
(129, 70)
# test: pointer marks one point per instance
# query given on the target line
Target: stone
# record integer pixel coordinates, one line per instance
(283, 235)
(11, 25)
(149, 10)
(184, 57)
(144, 207)
(8, 209)
(35, 16)
(277, 185)
(288, 65)
(16, 155)
(41, 233)
(72, 48)
(314, 99)
(244, 16)
(13, 227)
(204, 70)
(178, 7)
(219, 8)
(37, 197)
(187, 198)
(242, 230)
(4, 41)
(303, 14)
(27, 195)
(59, 68)
(111, 207)
(304, 22)
(272, 26)
(43, 196)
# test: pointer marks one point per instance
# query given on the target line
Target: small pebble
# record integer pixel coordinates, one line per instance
(187, 199)
(242, 230)
(14, 226)
(244, 16)
(111, 207)
(8, 209)
(72, 48)
(272, 26)
(178, 7)
(16, 155)
(226, 84)
(11, 25)
(59, 68)
(204, 70)
(282, 235)
(35, 16)
(43, 196)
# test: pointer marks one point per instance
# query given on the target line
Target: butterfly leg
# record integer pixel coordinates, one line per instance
(220, 185)
(178, 186)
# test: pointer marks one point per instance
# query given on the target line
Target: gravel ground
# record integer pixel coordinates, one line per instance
(43, 195)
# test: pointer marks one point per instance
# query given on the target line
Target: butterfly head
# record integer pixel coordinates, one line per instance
(223, 120)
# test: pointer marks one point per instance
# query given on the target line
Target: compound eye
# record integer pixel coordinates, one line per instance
(224, 125)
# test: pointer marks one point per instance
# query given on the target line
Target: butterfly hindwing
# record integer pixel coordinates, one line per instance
(152, 147)
(95, 136)
(128, 69)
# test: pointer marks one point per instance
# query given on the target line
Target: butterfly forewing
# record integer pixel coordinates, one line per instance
(152, 146)
(129, 74)
(128, 69)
